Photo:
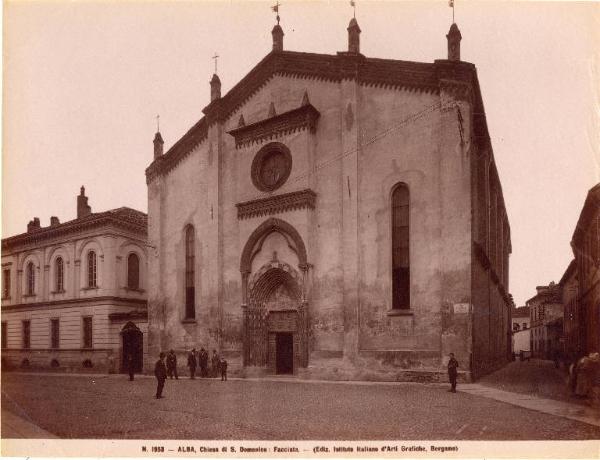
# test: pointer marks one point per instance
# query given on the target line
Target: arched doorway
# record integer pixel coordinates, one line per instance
(275, 320)
(274, 299)
(133, 345)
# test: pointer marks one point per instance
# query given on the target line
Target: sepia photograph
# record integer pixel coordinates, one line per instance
(301, 228)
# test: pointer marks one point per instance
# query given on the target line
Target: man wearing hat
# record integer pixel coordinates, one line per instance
(160, 372)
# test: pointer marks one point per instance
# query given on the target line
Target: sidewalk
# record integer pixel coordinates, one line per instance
(15, 427)
(571, 411)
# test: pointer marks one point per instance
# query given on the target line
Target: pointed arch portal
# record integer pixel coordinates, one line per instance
(274, 303)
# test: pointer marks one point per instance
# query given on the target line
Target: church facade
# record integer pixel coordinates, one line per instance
(74, 293)
(334, 216)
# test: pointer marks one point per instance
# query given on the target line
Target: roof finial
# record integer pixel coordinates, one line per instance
(157, 123)
(451, 5)
(275, 8)
(216, 57)
(353, 5)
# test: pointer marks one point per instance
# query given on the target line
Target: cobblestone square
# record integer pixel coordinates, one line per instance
(111, 407)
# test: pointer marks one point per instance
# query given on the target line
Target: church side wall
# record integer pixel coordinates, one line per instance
(492, 329)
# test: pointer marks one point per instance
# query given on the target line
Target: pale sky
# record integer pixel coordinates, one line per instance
(83, 83)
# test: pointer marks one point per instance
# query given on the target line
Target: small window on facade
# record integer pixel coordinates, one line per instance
(133, 271)
(4, 336)
(26, 334)
(54, 333)
(400, 248)
(59, 274)
(6, 283)
(92, 273)
(190, 291)
(87, 332)
(30, 279)
(524, 325)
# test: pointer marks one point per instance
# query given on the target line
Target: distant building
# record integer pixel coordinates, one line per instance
(585, 244)
(521, 331)
(74, 293)
(336, 216)
(573, 338)
(545, 308)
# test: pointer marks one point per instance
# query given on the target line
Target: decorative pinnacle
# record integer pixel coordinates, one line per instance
(215, 57)
(275, 8)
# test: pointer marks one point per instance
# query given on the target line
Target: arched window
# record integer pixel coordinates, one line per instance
(92, 269)
(400, 248)
(30, 279)
(190, 292)
(133, 271)
(59, 274)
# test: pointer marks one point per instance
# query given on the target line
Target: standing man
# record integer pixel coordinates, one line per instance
(452, 372)
(130, 366)
(215, 361)
(203, 358)
(160, 371)
(192, 363)
(223, 365)
(172, 365)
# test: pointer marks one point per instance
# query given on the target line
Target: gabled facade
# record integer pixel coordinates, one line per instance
(336, 216)
(74, 293)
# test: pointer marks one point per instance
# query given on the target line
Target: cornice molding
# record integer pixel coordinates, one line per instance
(299, 119)
(277, 204)
(80, 301)
(103, 219)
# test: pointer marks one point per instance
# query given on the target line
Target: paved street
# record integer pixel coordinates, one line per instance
(112, 407)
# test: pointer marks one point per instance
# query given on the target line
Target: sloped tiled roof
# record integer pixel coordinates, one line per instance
(124, 217)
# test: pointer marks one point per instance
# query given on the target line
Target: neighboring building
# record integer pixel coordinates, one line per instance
(586, 248)
(572, 339)
(74, 293)
(521, 332)
(336, 216)
(546, 307)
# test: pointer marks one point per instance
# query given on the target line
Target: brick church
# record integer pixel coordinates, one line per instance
(333, 216)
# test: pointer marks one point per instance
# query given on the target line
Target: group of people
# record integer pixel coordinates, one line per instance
(162, 370)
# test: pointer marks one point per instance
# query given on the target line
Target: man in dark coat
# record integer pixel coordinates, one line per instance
(203, 358)
(160, 371)
(215, 363)
(172, 365)
(452, 372)
(192, 363)
(223, 365)
(130, 366)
